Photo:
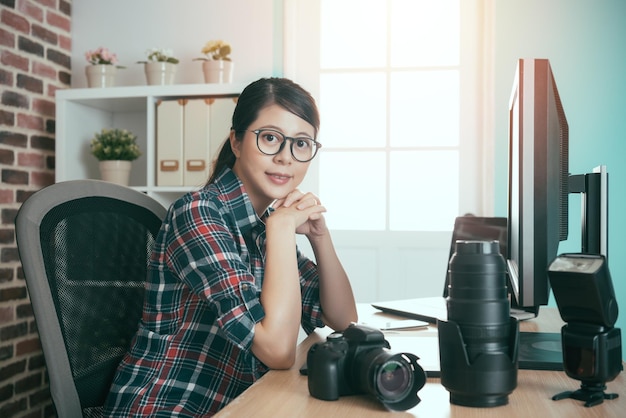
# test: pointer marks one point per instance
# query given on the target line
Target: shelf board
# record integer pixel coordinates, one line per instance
(134, 98)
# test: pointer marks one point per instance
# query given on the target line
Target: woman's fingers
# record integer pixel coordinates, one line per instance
(302, 200)
(292, 197)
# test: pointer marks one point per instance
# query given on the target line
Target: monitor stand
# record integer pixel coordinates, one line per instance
(540, 351)
(537, 350)
(522, 315)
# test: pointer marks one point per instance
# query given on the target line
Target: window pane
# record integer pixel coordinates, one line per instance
(352, 35)
(425, 108)
(352, 188)
(423, 190)
(353, 110)
(425, 33)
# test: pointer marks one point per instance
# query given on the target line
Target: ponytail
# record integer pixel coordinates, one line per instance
(225, 158)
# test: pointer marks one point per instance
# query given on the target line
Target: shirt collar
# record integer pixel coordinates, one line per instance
(232, 190)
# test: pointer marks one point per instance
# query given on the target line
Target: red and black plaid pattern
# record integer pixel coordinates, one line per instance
(191, 354)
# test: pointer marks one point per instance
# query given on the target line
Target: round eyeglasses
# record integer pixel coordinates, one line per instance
(271, 142)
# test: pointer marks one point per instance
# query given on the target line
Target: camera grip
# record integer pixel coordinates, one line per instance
(324, 372)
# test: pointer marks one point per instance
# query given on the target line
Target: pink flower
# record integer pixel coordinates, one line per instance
(101, 56)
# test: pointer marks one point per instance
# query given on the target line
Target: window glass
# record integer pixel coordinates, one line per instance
(424, 33)
(351, 35)
(346, 101)
(389, 95)
(353, 186)
(424, 108)
(423, 190)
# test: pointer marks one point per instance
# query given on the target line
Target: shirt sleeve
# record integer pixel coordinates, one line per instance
(309, 285)
(206, 253)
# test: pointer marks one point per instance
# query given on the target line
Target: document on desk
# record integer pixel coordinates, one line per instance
(424, 344)
(385, 324)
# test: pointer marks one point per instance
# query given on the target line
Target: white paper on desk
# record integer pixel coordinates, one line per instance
(384, 324)
(426, 347)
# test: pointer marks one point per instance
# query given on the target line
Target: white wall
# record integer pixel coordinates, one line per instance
(128, 28)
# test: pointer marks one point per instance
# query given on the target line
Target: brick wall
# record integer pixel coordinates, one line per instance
(35, 49)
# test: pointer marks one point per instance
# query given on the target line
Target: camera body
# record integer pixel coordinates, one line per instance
(357, 361)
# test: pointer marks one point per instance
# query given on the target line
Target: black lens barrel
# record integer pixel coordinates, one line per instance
(477, 296)
(477, 344)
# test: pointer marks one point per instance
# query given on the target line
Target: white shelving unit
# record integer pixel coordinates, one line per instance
(82, 112)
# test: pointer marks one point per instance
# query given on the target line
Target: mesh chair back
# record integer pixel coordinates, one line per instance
(93, 247)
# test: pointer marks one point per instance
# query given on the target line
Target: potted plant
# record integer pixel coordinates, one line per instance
(160, 66)
(217, 65)
(216, 50)
(115, 149)
(102, 67)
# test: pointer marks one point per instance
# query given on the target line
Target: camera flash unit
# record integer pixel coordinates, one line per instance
(592, 347)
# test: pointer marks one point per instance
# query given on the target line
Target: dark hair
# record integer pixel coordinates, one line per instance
(256, 96)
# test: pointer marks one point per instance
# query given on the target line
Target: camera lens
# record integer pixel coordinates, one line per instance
(477, 345)
(477, 296)
(393, 379)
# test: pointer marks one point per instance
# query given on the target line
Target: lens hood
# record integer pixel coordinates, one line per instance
(410, 399)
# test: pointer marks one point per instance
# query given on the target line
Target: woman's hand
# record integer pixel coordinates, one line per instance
(307, 210)
(336, 296)
(305, 213)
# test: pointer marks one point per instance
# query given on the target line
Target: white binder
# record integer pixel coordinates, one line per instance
(169, 147)
(221, 118)
(196, 142)
(190, 133)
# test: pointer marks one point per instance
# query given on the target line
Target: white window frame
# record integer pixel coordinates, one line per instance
(301, 53)
(398, 253)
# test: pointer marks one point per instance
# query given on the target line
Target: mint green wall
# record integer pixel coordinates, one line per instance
(584, 41)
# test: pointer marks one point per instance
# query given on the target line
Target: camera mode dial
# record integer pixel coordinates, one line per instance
(337, 342)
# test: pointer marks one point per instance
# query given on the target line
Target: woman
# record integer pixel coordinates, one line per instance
(227, 289)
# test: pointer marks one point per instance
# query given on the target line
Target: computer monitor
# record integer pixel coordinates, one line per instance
(538, 182)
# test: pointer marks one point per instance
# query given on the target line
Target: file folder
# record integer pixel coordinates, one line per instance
(196, 142)
(169, 146)
(221, 117)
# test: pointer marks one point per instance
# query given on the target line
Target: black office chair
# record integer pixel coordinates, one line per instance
(84, 246)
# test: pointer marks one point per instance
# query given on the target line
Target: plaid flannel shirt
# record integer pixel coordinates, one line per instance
(191, 354)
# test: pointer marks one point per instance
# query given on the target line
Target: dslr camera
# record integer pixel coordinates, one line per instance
(357, 361)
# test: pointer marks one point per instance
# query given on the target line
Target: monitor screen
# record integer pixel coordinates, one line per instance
(538, 181)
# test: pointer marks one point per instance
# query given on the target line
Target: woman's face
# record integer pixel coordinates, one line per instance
(270, 177)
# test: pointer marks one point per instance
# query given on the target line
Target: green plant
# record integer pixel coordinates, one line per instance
(115, 144)
(215, 50)
(160, 55)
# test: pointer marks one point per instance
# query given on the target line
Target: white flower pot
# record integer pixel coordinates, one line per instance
(115, 171)
(101, 75)
(160, 73)
(218, 71)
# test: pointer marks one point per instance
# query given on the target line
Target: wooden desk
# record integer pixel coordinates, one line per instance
(285, 393)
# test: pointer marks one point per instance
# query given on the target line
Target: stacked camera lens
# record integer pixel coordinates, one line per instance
(477, 297)
(478, 343)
